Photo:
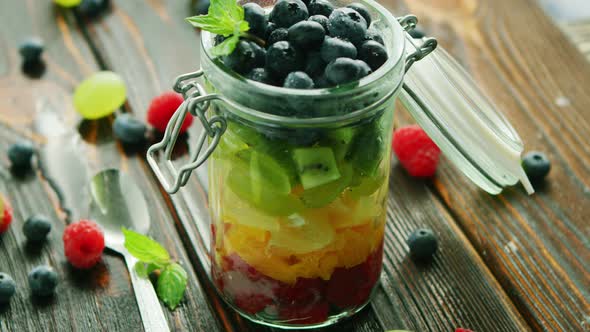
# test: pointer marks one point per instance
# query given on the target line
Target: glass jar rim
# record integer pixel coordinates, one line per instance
(395, 60)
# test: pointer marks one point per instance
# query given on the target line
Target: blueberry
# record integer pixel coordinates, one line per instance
(422, 243)
(260, 54)
(128, 129)
(320, 7)
(321, 19)
(334, 48)
(306, 34)
(298, 80)
(417, 33)
(7, 288)
(373, 53)
(374, 35)
(242, 59)
(282, 58)
(270, 27)
(365, 70)
(31, 50)
(21, 153)
(43, 280)
(536, 165)
(260, 75)
(285, 13)
(315, 65)
(361, 9)
(256, 18)
(343, 70)
(278, 35)
(36, 228)
(347, 23)
(93, 8)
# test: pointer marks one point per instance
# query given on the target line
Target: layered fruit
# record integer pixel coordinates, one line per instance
(298, 219)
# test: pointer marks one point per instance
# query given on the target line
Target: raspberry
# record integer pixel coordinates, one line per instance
(252, 303)
(305, 291)
(460, 329)
(83, 244)
(304, 313)
(6, 217)
(416, 151)
(162, 108)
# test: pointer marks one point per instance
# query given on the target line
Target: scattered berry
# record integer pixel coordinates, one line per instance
(201, 7)
(282, 58)
(374, 35)
(315, 65)
(260, 75)
(334, 48)
(83, 244)
(21, 153)
(306, 34)
(163, 107)
(67, 3)
(43, 280)
(321, 19)
(361, 9)
(36, 228)
(422, 243)
(6, 217)
(256, 18)
(416, 152)
(242, 59)
(417, 33)
(373, 53)
(343, 70)
(285, 13)
(128, 129)
(100, 95)
(278, 35)
(536, 165)
(460, 329)
(320, 7)
(7, 288)
(298, 80)
(93, 8)
(31, 50)
(348, 24)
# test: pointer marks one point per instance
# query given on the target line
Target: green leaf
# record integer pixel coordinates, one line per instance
(144, 248)
(141, 269)
(171, 285)
(226, 47)
(151, 267)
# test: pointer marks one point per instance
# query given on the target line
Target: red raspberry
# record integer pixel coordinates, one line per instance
(162, 108)
(304, 291)
(83, 244)
(304, 313)
(416, 151)
(252, 303)
(460, 329)
(6, 217)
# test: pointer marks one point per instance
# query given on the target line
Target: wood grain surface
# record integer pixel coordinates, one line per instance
(506, 263)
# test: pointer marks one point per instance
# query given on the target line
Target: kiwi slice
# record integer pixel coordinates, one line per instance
(367, 150)
(263, 184)
(325, 194)
(316, 166)
(340, 140)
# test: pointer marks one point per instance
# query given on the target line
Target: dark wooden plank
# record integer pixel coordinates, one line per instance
(444, 295)
(101, 299)
(536, 246)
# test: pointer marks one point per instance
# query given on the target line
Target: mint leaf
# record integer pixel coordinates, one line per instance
(226, 18)
(171, 285)
(144, 248)
(141, 269)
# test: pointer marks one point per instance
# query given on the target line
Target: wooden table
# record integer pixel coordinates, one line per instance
(506, 263)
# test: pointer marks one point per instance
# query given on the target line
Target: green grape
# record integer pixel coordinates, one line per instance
(100, 95)
(67, 3)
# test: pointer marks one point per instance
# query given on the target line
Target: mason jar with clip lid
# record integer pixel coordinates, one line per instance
(298, 179)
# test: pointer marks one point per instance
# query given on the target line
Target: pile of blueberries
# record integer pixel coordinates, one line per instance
(308, 44)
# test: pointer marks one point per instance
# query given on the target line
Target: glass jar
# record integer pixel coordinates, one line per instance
(298, 179)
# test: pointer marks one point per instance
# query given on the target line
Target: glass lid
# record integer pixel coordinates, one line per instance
(464, 123)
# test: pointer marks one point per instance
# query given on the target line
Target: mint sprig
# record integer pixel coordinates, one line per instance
(152, 256)
(226, 18)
